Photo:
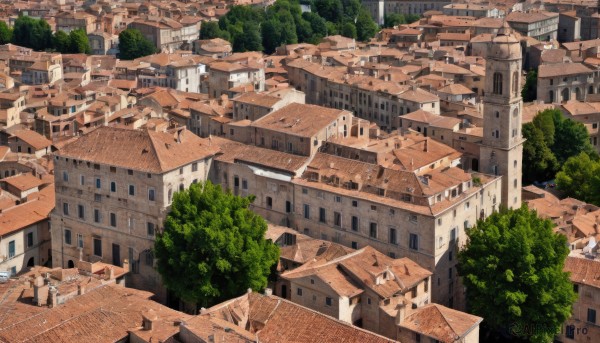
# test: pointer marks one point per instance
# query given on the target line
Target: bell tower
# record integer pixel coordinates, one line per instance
(501, 151)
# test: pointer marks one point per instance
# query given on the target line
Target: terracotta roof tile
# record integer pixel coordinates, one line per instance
(148, 151)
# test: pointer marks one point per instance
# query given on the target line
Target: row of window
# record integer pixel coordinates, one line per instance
(12, 248)
(131, 189)
(98, 218)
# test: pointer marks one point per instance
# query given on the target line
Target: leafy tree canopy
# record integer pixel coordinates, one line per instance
(79, 43)
(529, 91)
(394, 19)
(6, 33)
(284, 23)
(580, 178)
(213, 247)
(211, 29)
(32, 33)
(512, 266)
(132, 45)
(551, 140)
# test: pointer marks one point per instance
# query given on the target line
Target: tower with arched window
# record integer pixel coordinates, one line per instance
(502, 144)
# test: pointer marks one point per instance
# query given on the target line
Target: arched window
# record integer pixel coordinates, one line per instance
(497, 83)
(566, 94)
(515, 84)
(591, 90)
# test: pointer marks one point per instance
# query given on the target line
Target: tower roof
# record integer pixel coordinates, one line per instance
(505, 45)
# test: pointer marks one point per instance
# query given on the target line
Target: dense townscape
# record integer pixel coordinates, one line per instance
(299, 171)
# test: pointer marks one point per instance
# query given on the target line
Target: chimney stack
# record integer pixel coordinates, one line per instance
(80, 289)
(53, 296)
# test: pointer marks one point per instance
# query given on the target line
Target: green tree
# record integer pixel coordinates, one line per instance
(330, 10)
(547, 121)
(529, 91)
(79, 43)
(6, 33)
(271, 35)
(211, 29)
(132, 45)
(349, 30)
(366, 28)
(317, 23)
(580, 178)
(32, 33)
(213, 247)
(539, 163)
(570, 139)
(251, 37)
(512, 267)
(60, 41)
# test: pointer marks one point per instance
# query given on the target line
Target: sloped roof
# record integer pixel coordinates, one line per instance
(441, 323)
(583, 271)
(147, 151)
(32, 138)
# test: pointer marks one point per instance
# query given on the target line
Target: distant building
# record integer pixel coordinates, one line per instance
(540, 25)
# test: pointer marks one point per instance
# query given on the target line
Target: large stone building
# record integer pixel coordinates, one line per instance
(113, 190)
(540, 25)
(583, 324)
(502, 145)
(561, 82)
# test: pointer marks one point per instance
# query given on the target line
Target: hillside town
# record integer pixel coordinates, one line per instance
(370, 141)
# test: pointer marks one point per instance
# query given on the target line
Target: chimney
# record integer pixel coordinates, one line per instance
(52, 298)
(425, 148)
(80, 289)
(400, 313)
(149, 318)
(126, 265)
(109, 273)
(268, 292)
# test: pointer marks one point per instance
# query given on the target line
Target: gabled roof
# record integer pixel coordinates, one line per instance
(32, 138)
(583, 271)
(147, 151)
(441, 323)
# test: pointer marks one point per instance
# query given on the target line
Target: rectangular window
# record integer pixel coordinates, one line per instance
(338, 198)
(81, 212)
(80, 240)
(82, 180)
(413, 242)
(98, 247)
(354, 223)
(576, 288)
(304, 190)
(65, 176)
(328, 301)
(113, 186)
(373, 230)
(29, 239)
(98, 183)
(306, 211)
(194, 166)
(151, 195)
(132, 190)
(11, 249)
(337, 219)
(236, 182)
(299, 292)
(450, 273)
(322, 217)
(97, 218)
(354, 245)
(113, 219)
(354, 203)
(288, 207)
(393, 236)
(150, 229)
(68, 236)
(66, 208)
(591, 316)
